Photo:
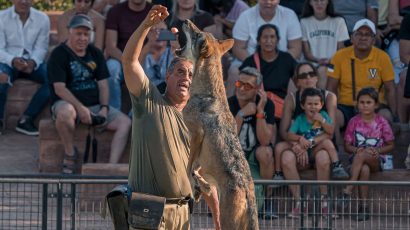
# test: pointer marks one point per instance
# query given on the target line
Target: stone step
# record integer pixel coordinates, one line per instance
(52, 151)
(18, 98)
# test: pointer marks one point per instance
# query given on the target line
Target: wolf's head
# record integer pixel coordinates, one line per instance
(196, 44)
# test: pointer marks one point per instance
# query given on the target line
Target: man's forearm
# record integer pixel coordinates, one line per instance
(103, 92)
(264, 131)
(67, 96)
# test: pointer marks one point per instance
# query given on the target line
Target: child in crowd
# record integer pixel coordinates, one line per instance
(313, 130)
(368, 137)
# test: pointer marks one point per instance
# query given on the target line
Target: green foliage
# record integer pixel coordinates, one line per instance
(43, 5)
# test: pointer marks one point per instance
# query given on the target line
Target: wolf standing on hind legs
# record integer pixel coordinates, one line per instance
(215, 149)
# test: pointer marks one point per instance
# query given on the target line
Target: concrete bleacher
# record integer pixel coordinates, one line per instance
(51, 150)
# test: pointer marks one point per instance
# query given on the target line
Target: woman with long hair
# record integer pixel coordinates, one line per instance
(189, 9)
(293, 157)
(323, 34)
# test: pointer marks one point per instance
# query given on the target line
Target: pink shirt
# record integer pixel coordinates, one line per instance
(373, 134)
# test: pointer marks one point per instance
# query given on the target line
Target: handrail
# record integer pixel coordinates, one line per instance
(89, 179)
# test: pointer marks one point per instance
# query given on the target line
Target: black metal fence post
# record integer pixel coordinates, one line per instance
(45, 207)
(59, 206)
(73, 190)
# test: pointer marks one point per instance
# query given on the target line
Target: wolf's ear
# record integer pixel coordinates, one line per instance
(225, 45)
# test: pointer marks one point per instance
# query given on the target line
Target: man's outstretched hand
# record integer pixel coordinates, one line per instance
(157, 14)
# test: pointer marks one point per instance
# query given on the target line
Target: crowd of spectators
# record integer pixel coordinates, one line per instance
(297, 75)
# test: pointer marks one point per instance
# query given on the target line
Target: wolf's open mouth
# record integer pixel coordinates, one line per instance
(182, 40)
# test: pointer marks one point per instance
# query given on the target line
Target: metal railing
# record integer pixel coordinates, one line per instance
(77, 202)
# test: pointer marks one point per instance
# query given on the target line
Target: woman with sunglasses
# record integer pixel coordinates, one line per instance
(323, 34)
(286, 153)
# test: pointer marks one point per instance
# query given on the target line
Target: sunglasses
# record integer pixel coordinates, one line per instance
(246, 86)
(305, 75)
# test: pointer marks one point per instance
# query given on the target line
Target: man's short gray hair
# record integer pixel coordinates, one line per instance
(174, 61)
(252, 72)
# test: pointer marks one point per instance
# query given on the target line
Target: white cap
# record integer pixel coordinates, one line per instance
(364, 22)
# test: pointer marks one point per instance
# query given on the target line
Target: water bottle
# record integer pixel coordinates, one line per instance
(388, 164)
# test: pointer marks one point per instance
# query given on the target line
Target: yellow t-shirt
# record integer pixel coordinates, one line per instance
(369, 72)
(159, 146)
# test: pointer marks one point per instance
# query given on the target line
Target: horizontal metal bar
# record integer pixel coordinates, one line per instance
(80, 179)
(332, 182)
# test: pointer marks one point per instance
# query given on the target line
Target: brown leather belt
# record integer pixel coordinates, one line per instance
(180, 201)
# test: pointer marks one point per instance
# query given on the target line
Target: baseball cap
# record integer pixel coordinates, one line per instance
(80, 20)
(364, 22)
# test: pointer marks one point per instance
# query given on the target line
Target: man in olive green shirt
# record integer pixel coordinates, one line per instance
(160, 139)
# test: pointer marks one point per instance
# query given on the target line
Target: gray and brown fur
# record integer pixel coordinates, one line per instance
(215, 148)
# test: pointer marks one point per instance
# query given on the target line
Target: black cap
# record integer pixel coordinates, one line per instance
(80, 20)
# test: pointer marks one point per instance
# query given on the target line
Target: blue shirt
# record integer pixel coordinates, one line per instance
(301, 126)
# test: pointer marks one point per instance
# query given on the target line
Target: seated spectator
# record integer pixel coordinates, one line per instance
(354, 10)
(246, 28)
(309, 126)
(277, 67)
(389, 24)
(309, 137)
(255, 125)
(285, 153)
(323, 34)
(226, 12)
(361, 65)
(157, 54)
(403, 89)
(305, 77)
(189, 9)
(368, 138)
(122, 20)
(78, 76)
(24, 36)
(83, 7)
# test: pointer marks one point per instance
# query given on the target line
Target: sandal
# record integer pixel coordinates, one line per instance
(70, 163)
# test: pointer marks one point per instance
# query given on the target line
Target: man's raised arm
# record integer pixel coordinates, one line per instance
(133, 73)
